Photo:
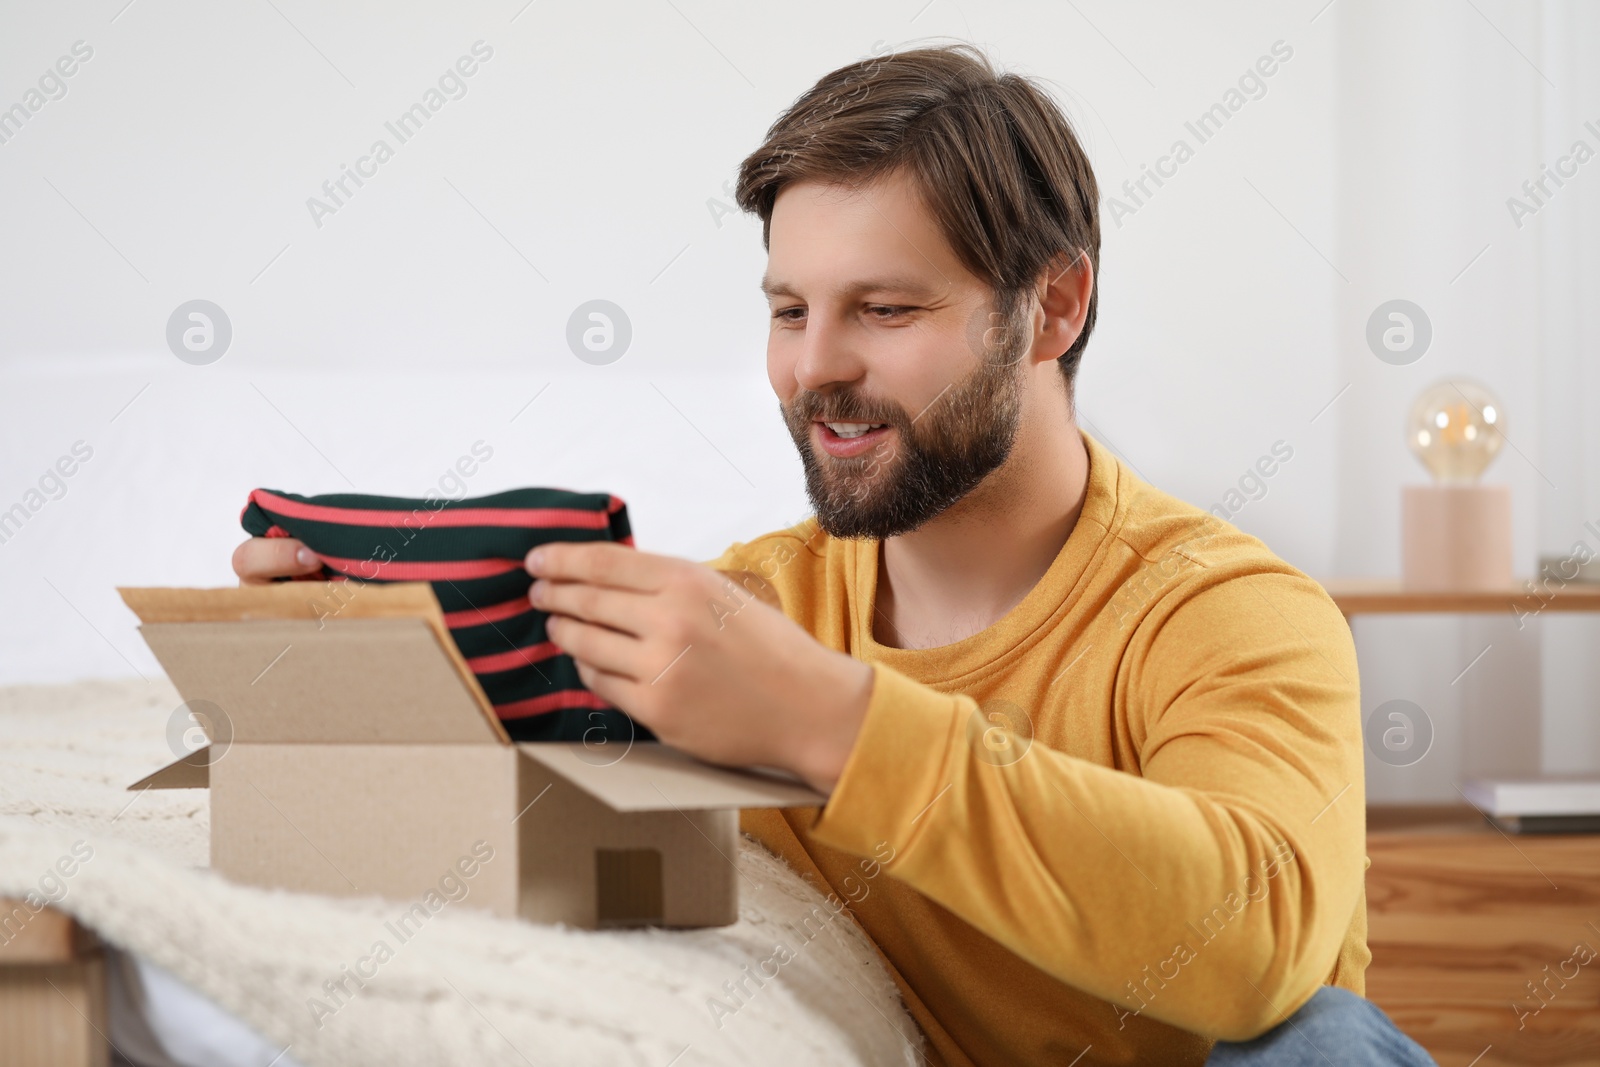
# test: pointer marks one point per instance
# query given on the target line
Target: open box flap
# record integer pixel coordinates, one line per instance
(192, 771)
(331, 662)
(649, 776)
(284, 600)
(348, 681)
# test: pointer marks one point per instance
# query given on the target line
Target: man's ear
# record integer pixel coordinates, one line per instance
(1064, 291)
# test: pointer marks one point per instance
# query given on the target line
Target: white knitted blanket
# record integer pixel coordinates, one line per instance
(466, 988)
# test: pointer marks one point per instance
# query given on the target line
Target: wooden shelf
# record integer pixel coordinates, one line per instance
(1368, 596)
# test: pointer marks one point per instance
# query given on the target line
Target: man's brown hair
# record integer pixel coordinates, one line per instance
(995, 159)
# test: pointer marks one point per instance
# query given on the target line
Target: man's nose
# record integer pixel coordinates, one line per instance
(828, 355)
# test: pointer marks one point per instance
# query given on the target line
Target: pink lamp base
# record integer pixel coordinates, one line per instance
(1455, 538)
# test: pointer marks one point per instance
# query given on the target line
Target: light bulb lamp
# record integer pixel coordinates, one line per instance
(1456, 534)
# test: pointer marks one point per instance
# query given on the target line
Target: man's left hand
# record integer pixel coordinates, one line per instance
(703, 663)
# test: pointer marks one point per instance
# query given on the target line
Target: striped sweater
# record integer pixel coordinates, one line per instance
(471, 551)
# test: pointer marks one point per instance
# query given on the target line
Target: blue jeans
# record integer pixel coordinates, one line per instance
(1335, 1028)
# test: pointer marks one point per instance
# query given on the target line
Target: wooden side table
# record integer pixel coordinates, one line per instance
(52, 990)
(1476, 935)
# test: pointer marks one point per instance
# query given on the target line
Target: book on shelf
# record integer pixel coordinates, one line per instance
(1550, 804)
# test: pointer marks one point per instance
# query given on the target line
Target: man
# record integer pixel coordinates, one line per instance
(1106, 746)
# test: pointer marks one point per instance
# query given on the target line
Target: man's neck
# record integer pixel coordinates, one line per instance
(962, 572)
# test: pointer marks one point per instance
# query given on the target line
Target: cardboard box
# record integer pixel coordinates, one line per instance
(353, 752)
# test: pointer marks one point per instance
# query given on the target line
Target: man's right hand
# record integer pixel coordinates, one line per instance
(261, 559)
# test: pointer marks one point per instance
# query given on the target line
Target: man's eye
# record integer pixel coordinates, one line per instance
(789, 314)
(885, 311)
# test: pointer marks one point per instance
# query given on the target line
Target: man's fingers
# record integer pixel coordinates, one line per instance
(617, 608)
(596, 646)
(261, 559)
(613, 688)
(601, 563)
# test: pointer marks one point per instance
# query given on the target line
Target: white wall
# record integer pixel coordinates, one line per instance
(586, 160)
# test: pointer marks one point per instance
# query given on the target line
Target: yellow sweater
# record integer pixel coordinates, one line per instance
(1176, 856)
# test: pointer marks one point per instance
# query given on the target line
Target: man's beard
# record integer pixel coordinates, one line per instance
(929, 462)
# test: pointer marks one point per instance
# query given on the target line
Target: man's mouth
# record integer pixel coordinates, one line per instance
(851, 430)
(845, 439)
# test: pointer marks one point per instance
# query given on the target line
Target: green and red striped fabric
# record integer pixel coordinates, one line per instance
(471, 551)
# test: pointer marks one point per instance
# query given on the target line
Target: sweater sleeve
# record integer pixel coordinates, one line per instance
(1213, 888)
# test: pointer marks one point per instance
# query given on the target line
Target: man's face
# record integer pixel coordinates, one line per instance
(875, 321)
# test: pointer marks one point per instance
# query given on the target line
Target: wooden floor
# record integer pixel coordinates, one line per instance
(1482, 942)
